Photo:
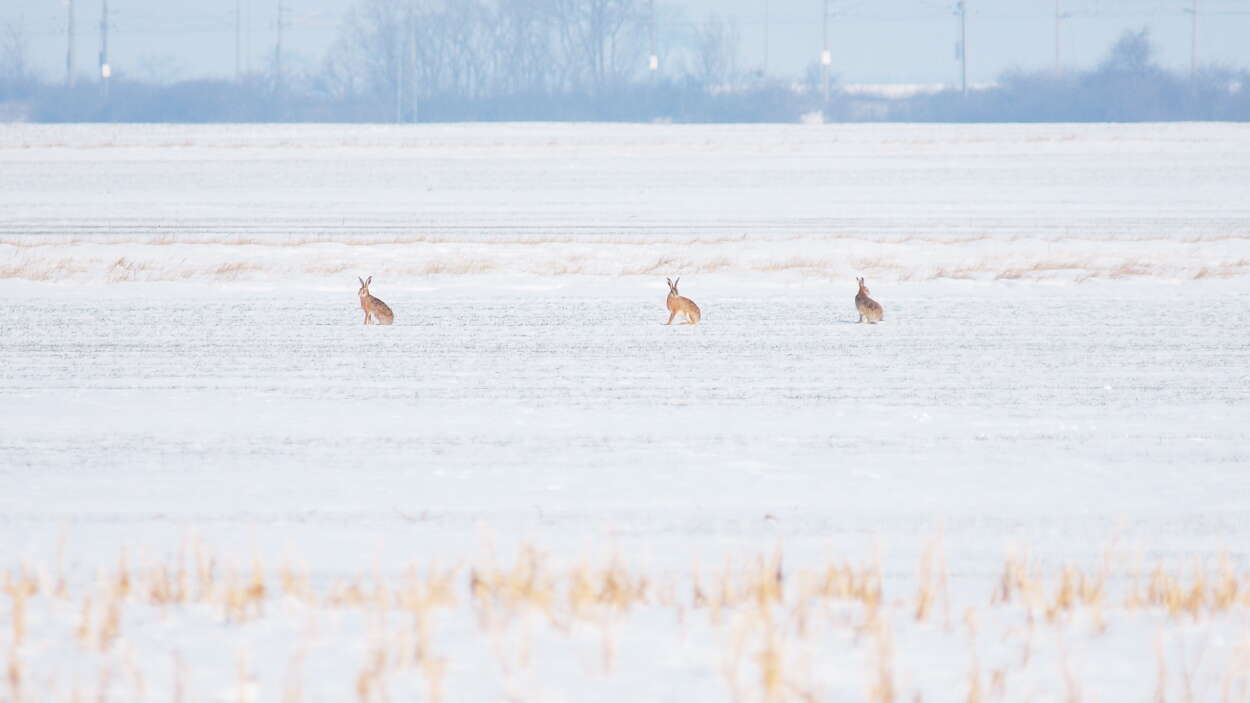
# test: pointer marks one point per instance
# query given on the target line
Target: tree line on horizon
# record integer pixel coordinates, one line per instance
(591, 60)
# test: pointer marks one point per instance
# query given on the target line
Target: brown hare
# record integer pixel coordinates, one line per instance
(868, 308)
(373, 307)
(678, 304)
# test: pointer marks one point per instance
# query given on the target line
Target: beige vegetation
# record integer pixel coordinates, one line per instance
(768, 623)
(135, 268)
(215, 257)
(191, 237)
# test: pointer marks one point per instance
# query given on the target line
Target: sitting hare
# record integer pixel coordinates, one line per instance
(679, 304)
(868, 308)
(373, 307)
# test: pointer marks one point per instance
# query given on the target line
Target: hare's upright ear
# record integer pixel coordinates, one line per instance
(369, 280)
(669, 281)
(362, 281)
(676, 282)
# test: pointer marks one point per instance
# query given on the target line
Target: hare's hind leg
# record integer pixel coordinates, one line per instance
(689, 319)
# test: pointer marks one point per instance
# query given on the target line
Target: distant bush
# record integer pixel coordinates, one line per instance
(1127, 85)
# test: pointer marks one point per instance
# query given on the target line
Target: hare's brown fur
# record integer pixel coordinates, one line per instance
(374, 308)
(679, 304)
(869, 309)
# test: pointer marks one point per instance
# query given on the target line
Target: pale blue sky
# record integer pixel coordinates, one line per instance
(872, 41)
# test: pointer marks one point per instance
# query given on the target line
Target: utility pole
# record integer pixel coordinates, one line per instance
(1193, 41)
(414, 82)
(105, 70)
(826, 57)
(277, 50)
(963, 46)
(1058, 21)
(401, 58)
(416, 87)
(653, 61)
(69, 47)
(247, 37)
(765, 70)
(238, 37)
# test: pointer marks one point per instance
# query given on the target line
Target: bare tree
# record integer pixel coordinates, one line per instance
(524, 58)
(17, 76)
(366, 58)
(474, 49)
(1133, 52)
(461, 26)
(602, 39)
(431, 51)
(717, 51)
(396, 50)
(161, 69)
(342, 72)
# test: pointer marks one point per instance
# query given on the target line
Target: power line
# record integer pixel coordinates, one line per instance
(149, 26)
(847, 12)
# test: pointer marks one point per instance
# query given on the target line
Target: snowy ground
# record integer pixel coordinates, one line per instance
(1063, 369)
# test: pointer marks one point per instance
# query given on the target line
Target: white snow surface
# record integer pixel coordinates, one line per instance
(896, 202)
(1063, 368)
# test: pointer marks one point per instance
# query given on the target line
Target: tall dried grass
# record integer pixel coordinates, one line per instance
(769, 618)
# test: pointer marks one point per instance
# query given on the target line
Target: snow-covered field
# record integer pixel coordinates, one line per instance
(1062, 378)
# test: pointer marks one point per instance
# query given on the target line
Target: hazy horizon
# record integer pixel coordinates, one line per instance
(176, 39)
